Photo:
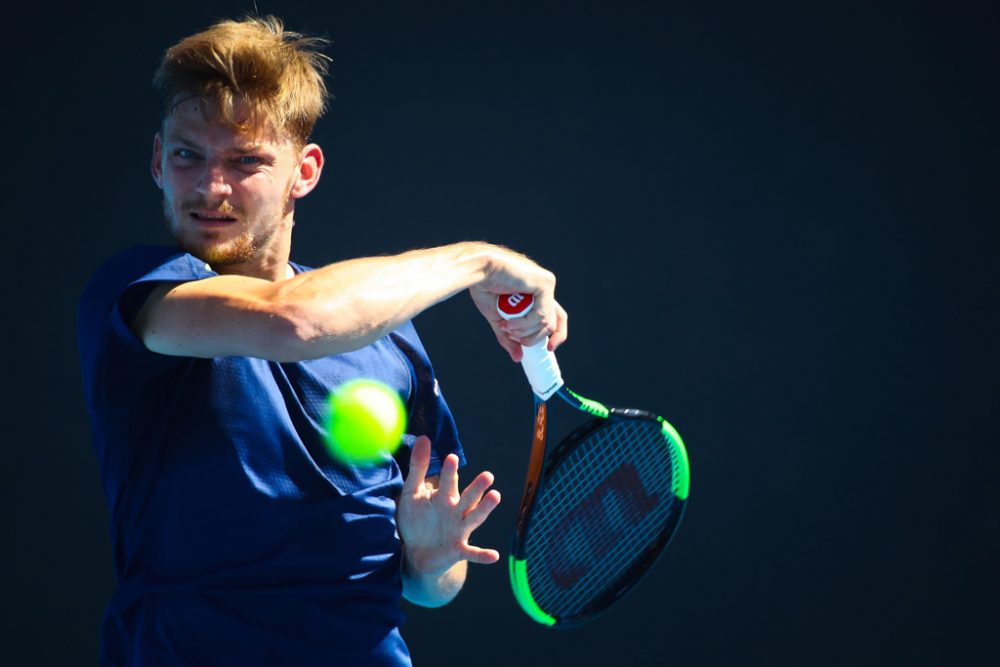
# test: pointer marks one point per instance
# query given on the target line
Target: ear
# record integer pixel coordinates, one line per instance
(309, 168)
(157, 166)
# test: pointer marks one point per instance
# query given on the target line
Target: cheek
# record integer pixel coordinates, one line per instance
(167, 186)
(174, 192)
(263, 193)
(176, 180)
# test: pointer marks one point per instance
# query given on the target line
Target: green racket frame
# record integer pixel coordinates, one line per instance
(541, 465)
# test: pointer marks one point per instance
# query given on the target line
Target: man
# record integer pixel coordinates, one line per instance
(237, 539)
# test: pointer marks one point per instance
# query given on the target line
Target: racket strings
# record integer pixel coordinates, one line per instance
(601, 510)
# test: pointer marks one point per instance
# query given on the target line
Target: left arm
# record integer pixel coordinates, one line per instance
(435, 522)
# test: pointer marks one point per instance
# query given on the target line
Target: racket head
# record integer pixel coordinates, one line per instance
(611, 496)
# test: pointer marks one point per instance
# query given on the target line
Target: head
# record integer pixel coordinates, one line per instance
(233, 155)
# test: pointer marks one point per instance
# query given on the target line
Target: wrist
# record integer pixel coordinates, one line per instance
(432, 589)
(420, 566)
(479, 257)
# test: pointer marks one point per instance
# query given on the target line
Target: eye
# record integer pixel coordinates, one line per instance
(185, 154)
(248, 160)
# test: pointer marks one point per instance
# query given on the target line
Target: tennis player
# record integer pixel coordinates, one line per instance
(237, 539)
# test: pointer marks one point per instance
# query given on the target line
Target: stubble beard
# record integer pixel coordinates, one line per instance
(204, 244)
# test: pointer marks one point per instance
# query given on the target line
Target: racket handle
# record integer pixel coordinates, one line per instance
(538, 362)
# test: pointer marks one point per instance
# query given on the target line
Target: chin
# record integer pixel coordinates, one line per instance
(219, 253)
(218, 247)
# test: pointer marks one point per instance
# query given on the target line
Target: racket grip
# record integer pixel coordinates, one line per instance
(538, 362)
(542, 369)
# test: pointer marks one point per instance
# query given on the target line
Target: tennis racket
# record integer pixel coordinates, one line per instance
(599, 508)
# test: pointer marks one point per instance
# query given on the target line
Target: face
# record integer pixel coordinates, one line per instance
(228, 196)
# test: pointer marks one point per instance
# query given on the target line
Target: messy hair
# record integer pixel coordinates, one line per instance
(275, 74)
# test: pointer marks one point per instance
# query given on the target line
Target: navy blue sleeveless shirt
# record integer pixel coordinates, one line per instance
(237, 538)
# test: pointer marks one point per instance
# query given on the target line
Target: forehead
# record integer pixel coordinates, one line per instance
(187, 121)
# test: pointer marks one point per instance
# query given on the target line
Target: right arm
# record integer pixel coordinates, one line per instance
(344, 306)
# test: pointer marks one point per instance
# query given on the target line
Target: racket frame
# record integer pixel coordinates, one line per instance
(542, 370)
(542, 462)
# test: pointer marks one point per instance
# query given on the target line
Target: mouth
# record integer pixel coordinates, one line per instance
(212, 218)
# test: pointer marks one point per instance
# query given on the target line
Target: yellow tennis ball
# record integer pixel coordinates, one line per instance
(365, 420)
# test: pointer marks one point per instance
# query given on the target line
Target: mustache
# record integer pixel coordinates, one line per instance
(201, 204)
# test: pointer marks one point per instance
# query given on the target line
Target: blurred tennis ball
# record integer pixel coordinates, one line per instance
(365, 420)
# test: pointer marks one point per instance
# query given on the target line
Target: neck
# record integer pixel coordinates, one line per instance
(272, 271)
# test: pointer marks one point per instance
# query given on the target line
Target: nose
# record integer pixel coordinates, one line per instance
(213, 182)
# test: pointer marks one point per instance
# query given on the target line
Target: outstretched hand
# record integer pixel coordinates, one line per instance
(436, 521)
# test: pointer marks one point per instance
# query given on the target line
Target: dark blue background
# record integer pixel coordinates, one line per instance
(773, 223)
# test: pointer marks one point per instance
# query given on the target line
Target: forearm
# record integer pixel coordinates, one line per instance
(343, 306)
(347, 305)
(433, 590)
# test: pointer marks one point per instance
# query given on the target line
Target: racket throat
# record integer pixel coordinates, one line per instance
(536, 466)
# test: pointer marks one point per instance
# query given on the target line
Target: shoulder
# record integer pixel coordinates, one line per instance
(135, 263)
(141, 263)
(110, 296)
(110, 286)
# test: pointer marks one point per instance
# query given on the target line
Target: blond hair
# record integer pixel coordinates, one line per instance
(249, 75)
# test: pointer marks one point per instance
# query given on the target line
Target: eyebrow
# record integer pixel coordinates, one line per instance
(248, 149)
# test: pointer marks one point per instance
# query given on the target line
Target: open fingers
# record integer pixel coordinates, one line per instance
(474, 491)
(479, 512)
(449, 478)
(479, 555)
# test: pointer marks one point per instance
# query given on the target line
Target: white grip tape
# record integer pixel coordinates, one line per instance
(542, 369)
(538, 363)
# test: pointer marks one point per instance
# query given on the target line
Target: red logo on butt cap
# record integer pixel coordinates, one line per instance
(511, 306)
